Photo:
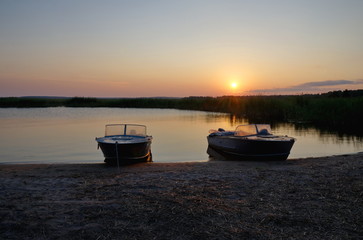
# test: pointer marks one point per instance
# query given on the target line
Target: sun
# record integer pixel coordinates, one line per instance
(234, 85)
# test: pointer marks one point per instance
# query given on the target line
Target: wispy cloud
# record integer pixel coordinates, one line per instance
(311, 87)
(330, 83)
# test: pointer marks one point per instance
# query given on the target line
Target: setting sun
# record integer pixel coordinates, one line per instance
(234, 85)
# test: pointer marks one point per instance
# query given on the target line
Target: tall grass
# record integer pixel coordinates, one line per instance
(330, 110)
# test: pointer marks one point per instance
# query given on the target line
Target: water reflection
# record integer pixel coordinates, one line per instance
(232, 119)
(314, 141)
(351, 135)
(67, 134)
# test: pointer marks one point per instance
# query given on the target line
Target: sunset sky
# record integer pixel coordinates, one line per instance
(146, 48)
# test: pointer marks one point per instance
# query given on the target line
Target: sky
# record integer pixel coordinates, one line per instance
(173, 48)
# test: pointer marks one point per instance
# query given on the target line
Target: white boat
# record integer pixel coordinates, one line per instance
(125, 144)
(250, 142)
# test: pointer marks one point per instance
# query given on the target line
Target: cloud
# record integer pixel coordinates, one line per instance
(329, 83)
(310, 86)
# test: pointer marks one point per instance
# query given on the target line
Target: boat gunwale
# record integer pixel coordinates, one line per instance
(141, 139)
(261, 138)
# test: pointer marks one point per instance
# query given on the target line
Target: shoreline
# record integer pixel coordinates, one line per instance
(213, 159)
(306, 198)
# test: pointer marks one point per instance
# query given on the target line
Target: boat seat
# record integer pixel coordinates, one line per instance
(264, 132)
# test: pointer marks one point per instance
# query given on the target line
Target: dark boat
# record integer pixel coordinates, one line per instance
(250, 142)
(125, 144)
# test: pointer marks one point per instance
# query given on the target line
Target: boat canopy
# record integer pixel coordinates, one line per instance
(253, 129)
(125, 129)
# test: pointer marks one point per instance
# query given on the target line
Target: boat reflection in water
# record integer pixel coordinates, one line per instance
(249, 142)
(125, 144)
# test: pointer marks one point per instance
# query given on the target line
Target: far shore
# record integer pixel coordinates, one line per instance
(339, 107)
(310, 198)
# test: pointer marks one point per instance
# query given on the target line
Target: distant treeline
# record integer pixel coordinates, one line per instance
(334, 109)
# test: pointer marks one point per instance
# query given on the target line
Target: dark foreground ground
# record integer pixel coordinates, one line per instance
(317, 198)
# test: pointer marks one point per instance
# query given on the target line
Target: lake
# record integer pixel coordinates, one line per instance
(67, 135)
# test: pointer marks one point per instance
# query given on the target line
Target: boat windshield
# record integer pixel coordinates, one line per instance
(263, 129)
(125, 129)
(253, 129)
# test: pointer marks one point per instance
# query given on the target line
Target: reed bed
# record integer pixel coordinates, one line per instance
(339, 110)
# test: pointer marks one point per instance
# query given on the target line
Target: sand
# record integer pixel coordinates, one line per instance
(314, 198)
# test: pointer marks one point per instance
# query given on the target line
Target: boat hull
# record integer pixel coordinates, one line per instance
(126, 153)
(244, 148)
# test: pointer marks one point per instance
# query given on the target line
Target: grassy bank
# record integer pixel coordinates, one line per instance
(335, 109)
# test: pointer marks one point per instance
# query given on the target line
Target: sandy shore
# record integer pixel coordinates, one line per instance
(315, 198)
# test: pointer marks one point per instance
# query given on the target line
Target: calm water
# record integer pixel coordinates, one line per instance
(67, 135)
